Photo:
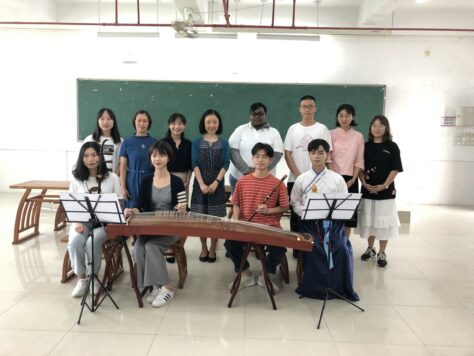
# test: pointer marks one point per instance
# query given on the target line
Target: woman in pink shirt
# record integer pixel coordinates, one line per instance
(347, 153)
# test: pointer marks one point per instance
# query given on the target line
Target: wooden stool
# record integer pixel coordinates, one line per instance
(284, 270)
(112, 253)
(177, 251)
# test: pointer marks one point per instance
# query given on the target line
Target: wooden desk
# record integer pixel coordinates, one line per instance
(29, 208)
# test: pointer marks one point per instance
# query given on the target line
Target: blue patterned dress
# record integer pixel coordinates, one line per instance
(210, 158)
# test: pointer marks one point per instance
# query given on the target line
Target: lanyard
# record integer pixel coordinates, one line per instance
(315, 180)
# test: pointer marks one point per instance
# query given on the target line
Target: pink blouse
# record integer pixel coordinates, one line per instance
(347, 151)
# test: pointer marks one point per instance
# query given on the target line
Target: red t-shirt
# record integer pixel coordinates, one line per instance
(250, 192)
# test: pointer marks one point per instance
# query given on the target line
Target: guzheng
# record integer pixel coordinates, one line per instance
(192, 224)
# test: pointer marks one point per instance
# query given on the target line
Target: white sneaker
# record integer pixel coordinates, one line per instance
(261, 282)
(151, 297)
(245, 281)
(80, 288)
(163, 297)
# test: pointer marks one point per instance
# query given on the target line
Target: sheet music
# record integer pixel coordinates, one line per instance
(106, 207)
(317, 206)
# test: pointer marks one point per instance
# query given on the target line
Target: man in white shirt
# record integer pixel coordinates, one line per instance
(315, 264)
(318, 178)
(297, 138)
(244, 138)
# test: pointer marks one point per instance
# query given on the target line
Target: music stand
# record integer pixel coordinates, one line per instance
(96, 210)
(330, 207)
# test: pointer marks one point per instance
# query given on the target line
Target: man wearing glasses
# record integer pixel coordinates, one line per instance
(244, 138)
(297, 138)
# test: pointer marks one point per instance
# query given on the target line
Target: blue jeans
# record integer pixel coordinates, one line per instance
(235, 250)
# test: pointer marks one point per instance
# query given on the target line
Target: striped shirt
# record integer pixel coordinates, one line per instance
(250, 192)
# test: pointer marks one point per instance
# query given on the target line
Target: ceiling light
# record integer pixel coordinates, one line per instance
(274, 36)
(127, 34)
(220, 36)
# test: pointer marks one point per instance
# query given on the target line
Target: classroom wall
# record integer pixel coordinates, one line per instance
(426, 77)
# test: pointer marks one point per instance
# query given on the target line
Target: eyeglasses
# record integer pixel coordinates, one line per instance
(257, 113)
(258, 157)
(91, 155)
(307, 107)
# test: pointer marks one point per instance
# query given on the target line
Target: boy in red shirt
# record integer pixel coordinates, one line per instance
(249, 194)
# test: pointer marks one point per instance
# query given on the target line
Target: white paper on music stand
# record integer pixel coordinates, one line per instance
(317, 206)
(346, 205)
(107, 208)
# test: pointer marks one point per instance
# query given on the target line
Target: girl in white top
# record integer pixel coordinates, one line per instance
(88, 173)
(107, 131)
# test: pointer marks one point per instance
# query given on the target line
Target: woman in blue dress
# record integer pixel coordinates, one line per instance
(210, 159)
(134, 158)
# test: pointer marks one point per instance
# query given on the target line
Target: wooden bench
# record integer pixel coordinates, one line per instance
(28, 213)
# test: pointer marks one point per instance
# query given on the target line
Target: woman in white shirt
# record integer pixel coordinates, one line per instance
(90, 173)
(106, 130)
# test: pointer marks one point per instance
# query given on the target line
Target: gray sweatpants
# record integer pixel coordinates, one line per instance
(151, 265)
(80, 245)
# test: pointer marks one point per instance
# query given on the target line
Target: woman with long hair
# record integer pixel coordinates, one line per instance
(107, 135)
(347, 153)
(210, 158)
(90, 173)
(180, 164)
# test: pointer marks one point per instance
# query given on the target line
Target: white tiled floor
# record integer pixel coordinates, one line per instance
(421, 304)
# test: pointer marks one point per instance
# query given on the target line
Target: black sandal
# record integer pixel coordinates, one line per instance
(211, 259)
(204, 258)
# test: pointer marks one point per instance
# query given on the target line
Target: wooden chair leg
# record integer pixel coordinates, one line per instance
(60, 218)
(181, 261)
(111, 251)
(67, 272)
(133, 273)
(268, 283)
(284, 270)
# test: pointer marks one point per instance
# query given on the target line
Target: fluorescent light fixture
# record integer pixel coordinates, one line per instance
(419, 1)
(219, 36)
(228, 36)
(127, 34)
(274, 36)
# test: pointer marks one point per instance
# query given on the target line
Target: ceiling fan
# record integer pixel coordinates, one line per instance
(185, 28)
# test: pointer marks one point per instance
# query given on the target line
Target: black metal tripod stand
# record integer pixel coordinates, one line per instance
(94, 304)
(328, 290)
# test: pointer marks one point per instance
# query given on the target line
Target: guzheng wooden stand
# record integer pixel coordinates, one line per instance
(191, 224)
(260, 250)
(113, 259)
(326, 207)
(29, 208)
(79, 209)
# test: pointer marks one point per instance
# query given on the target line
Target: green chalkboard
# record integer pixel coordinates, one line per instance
(232, 100)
